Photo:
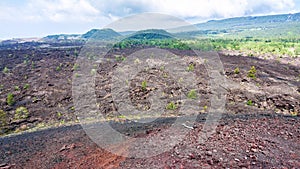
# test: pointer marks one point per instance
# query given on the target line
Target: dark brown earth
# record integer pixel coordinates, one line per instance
(253, 141)
(263, 134)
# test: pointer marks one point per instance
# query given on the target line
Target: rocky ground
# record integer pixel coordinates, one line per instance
(259, 129)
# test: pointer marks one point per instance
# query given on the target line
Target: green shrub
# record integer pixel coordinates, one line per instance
(120, 58)
(190, 68)
(10, 99)
(192, 94)
(171, 106)
(75, 67)
(249, 103)
(59, 114)
(21, 113)
(17, 88)
(5, 70)
(58, 68)
(26, 86)
(144, 85)
(205, 108)
(3, 118)
(252, 73)
(236, 70)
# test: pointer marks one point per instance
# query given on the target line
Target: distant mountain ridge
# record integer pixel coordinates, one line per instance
(283, 25)
(248, 21)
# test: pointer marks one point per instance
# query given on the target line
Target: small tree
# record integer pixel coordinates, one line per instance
(252, 73)
(10, 99)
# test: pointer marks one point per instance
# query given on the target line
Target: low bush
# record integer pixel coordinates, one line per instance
(144, 85)
(5, 70)
(192, 94)
(171, 106)
(236, 70)
(21, 113)
(10, 99)
(252, 72)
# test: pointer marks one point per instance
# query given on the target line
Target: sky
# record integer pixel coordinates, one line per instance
(38, 18)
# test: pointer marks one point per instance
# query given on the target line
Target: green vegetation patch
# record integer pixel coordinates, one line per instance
(144, 85)
(5, 70)
(192, 94)
(21, 113)
(236, 70)
(171, 106)
(252, 72)
(3, 118)
(10, 99)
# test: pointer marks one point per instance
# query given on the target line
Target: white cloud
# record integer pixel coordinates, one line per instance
(52, 10)
(91, 10)
(68, 16)
(64, 10)
(216, 8)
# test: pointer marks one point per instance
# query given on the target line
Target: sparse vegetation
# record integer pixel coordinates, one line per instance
(21, 113)
(122, 117)
(75, 67)
(190, 68)
(26, 86)
(205, 108)
(59, 114)
(144, 85)
(165, 75)
(32, 64)
(250, 103)
(171, 106)
(252, 72)
(25, 61)
(5, 70)
(76, 75)
(93, 71)
(17, 88)
(120, 58)
(236, 70)
(10, 99)
(58, 68)
(3, 118)
(192, 94)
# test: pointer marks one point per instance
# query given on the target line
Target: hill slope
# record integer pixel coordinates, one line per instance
(104, 34)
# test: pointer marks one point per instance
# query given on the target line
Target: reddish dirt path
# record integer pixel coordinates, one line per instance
(256, 141)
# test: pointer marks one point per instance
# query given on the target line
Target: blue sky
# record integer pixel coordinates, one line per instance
(38, 18)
